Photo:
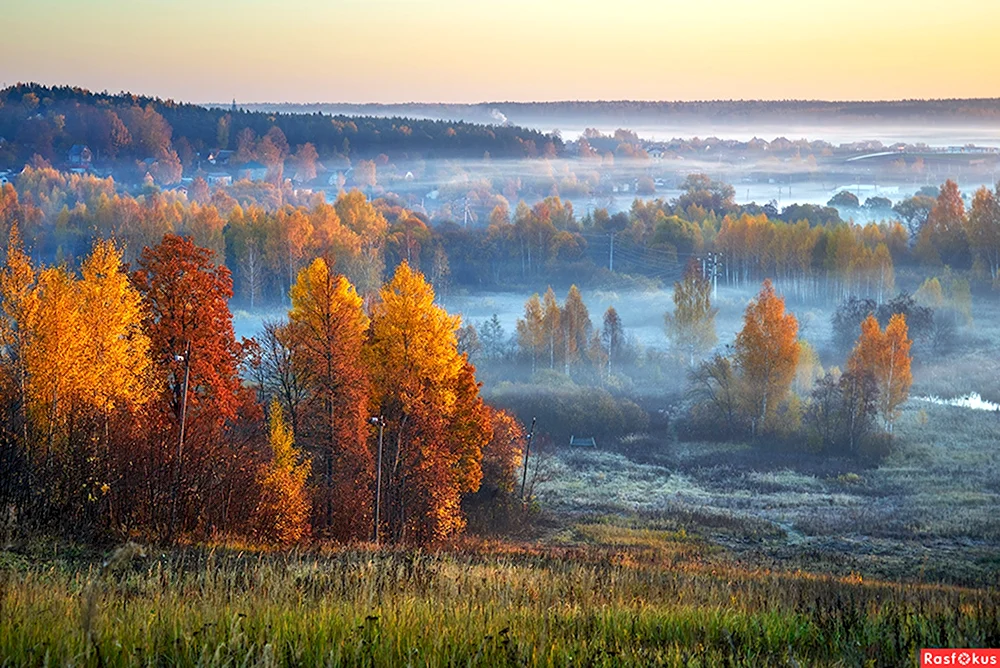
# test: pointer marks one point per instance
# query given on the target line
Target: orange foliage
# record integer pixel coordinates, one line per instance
(767, 352)
(885, 355)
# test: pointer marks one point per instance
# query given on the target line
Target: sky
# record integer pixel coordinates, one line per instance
(523, 50)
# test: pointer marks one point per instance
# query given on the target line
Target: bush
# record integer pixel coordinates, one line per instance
(564, 409)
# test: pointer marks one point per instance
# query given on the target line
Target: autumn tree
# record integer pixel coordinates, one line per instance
(426, 391)
(358, 215)
(943, 237)
(612, 337)
(551, 326)
(493, 506)
(282, 513)
(193, 348)
(886, 356)
(983, 232)
(576, 328)
(531, 330)
(767, 352)
(691, 327)
(326, 332)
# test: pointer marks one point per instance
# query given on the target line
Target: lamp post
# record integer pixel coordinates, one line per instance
(527, 450)
(186, 358)
(380, 421)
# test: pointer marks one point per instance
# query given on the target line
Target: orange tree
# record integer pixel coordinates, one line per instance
(326, 332)
(767, 352)
(436, 424)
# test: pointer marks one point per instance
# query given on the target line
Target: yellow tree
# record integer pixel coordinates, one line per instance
(57, 346)
(886, 356)
(358, 215)
(531, 330)
(576, 326)
(282, 513)
(326, 334)
(767, 353)
(117, 368)
(18, 302)
(428, 396)
(551, 317)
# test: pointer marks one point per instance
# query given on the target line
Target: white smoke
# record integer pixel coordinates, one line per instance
(499, 117)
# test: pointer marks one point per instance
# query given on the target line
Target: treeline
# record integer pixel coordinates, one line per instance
(266, 233)
(124, 411)
(635, 110)
(48, 121)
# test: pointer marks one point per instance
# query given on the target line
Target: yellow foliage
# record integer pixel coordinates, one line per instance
(282, 514)
(414, 346)
(117, 366)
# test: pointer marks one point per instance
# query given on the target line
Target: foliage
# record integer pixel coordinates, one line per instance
(691, 327)
(282, 514)
(766, 354)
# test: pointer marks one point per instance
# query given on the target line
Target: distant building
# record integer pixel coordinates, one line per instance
(581, 442)
(253, 171)
(219, 179)
(219, 157)
(79, 156)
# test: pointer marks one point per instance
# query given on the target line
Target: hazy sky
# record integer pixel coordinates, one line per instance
(471, 50)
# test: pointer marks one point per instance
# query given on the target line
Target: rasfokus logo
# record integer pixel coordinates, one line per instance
(959, 657)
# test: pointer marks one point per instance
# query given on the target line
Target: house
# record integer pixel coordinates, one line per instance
(219, 157)
(253, 171)
(79, 156)
(219, 179)
(580, 442)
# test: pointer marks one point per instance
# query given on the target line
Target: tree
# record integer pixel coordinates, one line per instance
(691, 327)
(434, 424)
(716, 387)
(886, 356)
(193, 348)
(118, 365)
(551, 317)
(612, 336)
(767, 352)
(943, 238)
(282, 513)
(327, 329)
(914, 212)
(847, 319)
(576, 326)
(305, 163)
(983, 233)
(494, 339)
(531, 330)
(845, 199)
(273, 369)
(18, 302)
(358, 215)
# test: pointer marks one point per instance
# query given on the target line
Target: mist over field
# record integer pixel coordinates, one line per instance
(660, 388)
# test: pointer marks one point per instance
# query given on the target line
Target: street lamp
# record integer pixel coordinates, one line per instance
(527, 450)
(380, 421)
(186, 358)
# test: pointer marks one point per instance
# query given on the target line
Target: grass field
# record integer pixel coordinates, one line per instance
(621, 596)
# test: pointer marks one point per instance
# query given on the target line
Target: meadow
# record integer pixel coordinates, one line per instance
(623, 596)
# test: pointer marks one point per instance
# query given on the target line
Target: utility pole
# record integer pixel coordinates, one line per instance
(180, 440)
(611, 256)
(380, 420)
(527, 450)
